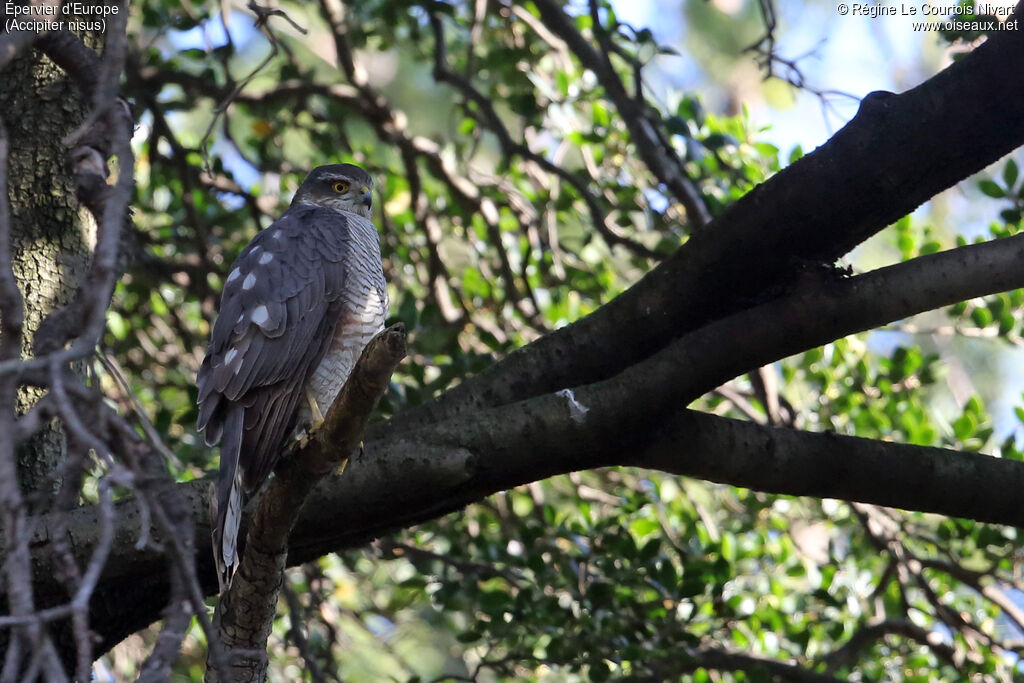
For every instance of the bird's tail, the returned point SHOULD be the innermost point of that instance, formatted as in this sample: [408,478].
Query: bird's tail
[229,498]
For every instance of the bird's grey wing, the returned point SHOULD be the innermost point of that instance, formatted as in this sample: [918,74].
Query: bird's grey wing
[274,299]
[275,312]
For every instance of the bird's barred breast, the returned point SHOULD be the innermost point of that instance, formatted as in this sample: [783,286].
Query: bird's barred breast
[363,316]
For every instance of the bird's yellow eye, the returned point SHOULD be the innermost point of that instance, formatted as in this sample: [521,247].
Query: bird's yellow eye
[340,187]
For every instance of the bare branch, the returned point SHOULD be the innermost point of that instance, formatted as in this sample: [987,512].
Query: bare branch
[512,148]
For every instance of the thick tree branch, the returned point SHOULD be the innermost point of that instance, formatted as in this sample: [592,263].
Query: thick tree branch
[395,483]
[828,465]
[818,313]
[403,479]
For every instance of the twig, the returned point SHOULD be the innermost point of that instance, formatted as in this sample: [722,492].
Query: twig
[115,371]
[263,15]
[637,116]
[512,148]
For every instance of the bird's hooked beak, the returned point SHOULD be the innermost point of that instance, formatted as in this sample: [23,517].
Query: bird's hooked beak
[366,198]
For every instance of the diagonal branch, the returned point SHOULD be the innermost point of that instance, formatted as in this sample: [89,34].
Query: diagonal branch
[819,312]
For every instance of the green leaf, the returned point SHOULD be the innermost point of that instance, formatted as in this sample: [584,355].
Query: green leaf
[1010,173]
[117,325]
[676,125]
[965,426]
[691,109]
[982,317]
[717,141]
[905,243]
[991,189]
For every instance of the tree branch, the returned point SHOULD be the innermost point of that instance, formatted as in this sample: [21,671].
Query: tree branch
[725,660]
[397,482]
[880,628]
[829,465]
[819,312]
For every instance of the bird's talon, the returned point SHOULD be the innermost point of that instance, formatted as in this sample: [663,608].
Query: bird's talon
[317,414]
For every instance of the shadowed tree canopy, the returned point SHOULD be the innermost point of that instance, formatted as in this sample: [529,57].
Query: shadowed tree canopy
[650,424]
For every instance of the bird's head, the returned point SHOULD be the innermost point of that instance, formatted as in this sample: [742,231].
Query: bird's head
[338,186]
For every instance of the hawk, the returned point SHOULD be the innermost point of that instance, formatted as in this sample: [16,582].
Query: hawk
[299,304]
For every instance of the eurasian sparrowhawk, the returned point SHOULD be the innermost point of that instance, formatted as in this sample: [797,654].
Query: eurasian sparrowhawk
[299,304]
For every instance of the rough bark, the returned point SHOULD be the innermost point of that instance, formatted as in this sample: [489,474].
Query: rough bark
[51,235]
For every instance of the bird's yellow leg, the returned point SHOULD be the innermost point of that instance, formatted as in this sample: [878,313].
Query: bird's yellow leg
[314,409]
[317,421]
[302,437]
[344,463]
